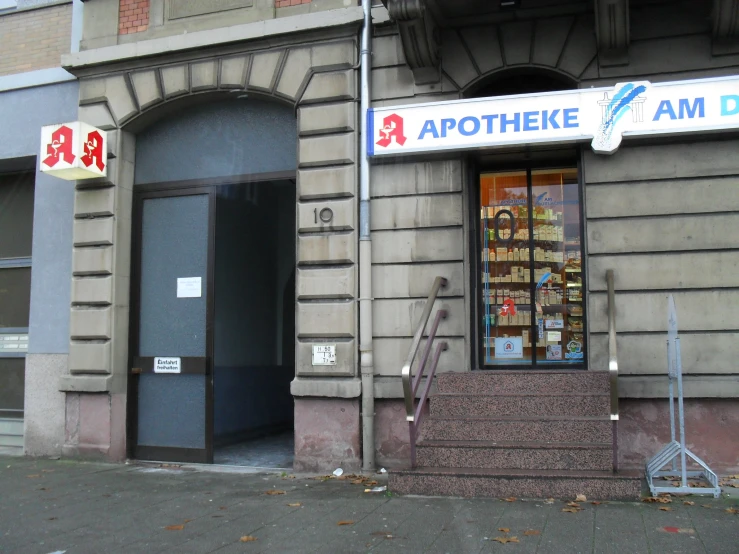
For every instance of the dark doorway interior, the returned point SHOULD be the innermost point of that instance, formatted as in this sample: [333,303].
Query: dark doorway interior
[254,352]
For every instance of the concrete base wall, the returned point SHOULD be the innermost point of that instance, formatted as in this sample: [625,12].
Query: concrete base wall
[711,431]
[392,439]
[327,434]
[95,426]
[44,404]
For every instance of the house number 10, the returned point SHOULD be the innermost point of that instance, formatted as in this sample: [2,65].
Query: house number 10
[325,215]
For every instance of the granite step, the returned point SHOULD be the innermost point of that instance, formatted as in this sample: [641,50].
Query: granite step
[503,483]
[523,382]
[514,455]
[481,405]
[594,429]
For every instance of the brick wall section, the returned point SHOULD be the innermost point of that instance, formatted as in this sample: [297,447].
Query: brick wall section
[34,39]
[286,3]
[133,16]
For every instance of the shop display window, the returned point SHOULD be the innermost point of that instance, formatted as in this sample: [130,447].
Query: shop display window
[531,274]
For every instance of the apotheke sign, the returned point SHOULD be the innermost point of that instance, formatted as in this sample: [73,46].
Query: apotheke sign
[73,151]
[602,116]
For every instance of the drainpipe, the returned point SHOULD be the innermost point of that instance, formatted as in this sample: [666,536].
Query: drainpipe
[77,10]
[365,252]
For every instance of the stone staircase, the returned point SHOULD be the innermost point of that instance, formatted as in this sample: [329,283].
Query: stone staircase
[534,434]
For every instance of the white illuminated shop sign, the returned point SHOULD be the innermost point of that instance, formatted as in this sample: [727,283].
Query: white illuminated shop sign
[73,151]
[602,116]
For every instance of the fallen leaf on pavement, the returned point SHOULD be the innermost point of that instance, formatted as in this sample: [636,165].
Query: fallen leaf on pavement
[660,499]
[247,538]
[531,533]
[346,522]
[571,510]
[222,507]
[732,510]
[689,503]
[581,498]
[510,499]
[549,501]
[665,509]
[503,529]
[274,492]
[596,503]
[295,505]
[188,520]
[504,540]
[357,482]
[175,527]
[573,504]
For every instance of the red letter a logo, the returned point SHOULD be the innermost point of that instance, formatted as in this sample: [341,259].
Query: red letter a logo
[392,128]
[94,151]
[60,146]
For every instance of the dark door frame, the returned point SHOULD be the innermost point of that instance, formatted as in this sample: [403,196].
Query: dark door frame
[190,365]
[475,246]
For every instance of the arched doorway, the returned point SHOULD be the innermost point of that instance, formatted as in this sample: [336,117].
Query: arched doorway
[528,230]
[213,256]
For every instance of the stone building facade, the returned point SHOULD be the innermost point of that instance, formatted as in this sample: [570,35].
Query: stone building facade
[660,212]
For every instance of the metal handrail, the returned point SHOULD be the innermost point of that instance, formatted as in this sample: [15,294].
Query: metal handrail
[411,382]
[613,362]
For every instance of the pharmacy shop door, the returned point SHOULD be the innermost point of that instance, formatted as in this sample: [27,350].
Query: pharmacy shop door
[531,309]
[170,382]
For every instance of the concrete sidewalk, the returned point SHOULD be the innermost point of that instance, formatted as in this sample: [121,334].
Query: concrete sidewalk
[52,506]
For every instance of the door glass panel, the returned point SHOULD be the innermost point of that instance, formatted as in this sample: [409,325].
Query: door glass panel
[531,273]
[174,244]
[172,410]
[558,254]
[506,270]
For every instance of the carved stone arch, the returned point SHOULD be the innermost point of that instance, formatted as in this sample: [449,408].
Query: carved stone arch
[565,45]
[298,75]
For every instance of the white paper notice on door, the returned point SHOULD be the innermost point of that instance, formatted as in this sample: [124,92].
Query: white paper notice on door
[189,287]
[167,365]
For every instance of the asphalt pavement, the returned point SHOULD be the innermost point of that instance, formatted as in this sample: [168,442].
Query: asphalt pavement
[54,506]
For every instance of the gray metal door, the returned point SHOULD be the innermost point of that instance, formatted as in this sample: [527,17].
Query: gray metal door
[171,384]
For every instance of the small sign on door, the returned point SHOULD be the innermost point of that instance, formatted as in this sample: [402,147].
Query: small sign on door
[324,354]
[189,287]
[167,365]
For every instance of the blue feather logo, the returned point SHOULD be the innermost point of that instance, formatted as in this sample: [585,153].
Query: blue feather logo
[619,106]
